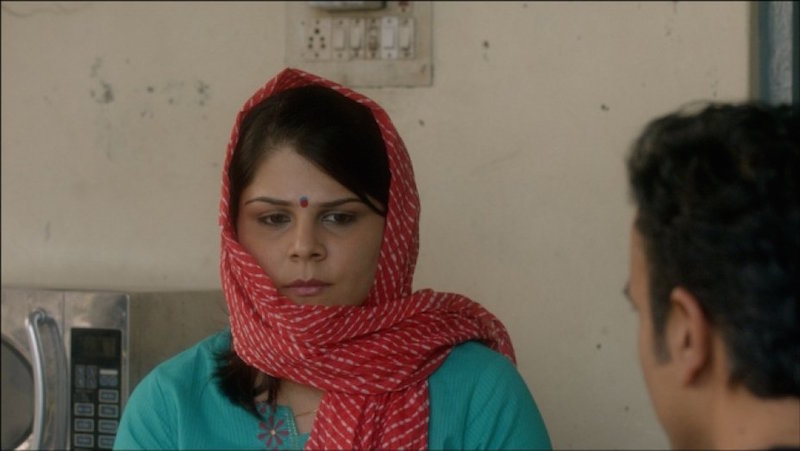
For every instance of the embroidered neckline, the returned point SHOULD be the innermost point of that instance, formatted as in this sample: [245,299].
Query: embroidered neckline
[278,425]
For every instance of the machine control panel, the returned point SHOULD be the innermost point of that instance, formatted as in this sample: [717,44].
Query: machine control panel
[96,361]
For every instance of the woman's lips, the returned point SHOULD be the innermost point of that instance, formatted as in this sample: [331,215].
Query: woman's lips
[306,288]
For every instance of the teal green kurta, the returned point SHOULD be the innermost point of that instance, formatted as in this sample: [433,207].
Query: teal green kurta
[477,400]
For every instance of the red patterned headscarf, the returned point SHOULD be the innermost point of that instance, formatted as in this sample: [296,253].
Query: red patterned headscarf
[373,360]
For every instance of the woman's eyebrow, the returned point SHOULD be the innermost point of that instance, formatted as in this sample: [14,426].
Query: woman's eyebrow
[286,203]
[269,200]
[336,203]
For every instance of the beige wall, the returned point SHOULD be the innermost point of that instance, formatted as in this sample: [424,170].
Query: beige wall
[115,118]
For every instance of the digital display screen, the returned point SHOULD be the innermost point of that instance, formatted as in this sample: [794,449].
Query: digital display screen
[96,346]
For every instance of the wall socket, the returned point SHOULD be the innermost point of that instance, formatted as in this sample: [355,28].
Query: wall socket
[317,36]
[370,47]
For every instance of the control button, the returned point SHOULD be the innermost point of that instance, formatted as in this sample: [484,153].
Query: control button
[105,441]
[108,411]
[109,377]
[86,440]
[106,395]
[83,409]
[107,426]
[84,425]
[91,376]
[80,376]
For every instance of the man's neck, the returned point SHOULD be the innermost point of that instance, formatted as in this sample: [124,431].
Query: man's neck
[744,421]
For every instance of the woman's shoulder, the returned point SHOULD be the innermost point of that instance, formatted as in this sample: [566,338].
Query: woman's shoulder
[478,399]
[206,348]
[179,405]
[473,361]
[197,362]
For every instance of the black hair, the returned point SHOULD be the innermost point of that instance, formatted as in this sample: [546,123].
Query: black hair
[338,135]
[718,199]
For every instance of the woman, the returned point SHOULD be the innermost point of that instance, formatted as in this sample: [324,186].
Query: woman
[329,347]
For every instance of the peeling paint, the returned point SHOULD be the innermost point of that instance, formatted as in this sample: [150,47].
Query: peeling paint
[96,66]
[105,93]
[105,96]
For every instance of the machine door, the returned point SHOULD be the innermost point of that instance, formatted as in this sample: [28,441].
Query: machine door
[17,399]
[35,378]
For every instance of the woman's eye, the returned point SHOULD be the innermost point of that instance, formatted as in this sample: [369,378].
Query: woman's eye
[339,218]
[274,219]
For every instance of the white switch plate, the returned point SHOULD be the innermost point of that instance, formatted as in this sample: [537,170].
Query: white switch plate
[362,48]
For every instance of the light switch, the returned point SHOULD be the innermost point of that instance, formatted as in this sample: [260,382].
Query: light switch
[404,35]
[356,34]
[389,37]
[373,38]
[338,38]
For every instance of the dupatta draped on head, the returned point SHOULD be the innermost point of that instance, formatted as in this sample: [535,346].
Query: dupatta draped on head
[372,361]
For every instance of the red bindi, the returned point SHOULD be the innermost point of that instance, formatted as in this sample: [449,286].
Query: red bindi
[303,201]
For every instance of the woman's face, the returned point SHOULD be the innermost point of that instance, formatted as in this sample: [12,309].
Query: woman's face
[316,240]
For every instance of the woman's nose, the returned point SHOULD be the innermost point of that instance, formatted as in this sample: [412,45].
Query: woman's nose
[306,243]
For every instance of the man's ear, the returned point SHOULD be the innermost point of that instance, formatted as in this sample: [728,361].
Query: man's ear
[688,335]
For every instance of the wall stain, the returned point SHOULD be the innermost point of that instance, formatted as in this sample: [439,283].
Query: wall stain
[421,123]
[485,50]
[47,231]
[203,91]
[105,96]
[105,93]
[497,161]
[669,25]
[179,92]
[96,66]
[599,346]
[604,107]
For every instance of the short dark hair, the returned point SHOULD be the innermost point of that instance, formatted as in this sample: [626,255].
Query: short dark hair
[338,135]
[718,199]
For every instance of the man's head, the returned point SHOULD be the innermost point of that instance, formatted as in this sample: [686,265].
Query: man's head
[716,247]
